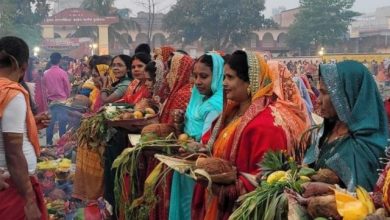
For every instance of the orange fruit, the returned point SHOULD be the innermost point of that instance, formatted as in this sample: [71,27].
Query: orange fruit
[138,115]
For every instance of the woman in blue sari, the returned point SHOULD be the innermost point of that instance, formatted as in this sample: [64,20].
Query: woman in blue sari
[205,105]
[354,134]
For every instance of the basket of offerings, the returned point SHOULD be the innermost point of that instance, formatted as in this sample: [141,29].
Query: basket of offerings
[132,119]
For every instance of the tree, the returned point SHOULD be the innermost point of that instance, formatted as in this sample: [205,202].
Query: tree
[150,6]
[218,23]
[22,18]
[320,23]
[106,8]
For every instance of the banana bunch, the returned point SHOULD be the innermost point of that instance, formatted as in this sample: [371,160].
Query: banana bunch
[365,198]
[65,164]
[47,165]
[352,208]
[276,176]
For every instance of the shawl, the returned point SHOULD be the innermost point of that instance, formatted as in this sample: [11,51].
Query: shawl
[198,107]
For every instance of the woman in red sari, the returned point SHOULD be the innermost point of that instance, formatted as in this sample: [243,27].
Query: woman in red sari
[263,108]
[178,82]
[137,89]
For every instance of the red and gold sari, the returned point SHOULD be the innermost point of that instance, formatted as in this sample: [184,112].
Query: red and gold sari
[136,91]
[178,80]
[244,140]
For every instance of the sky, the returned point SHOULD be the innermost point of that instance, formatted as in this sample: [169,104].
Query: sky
[364,6]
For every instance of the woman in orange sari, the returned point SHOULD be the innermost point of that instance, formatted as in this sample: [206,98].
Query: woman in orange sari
[137,89]
[264,112]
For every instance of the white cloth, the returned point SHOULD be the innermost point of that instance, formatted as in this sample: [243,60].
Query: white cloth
[14,121]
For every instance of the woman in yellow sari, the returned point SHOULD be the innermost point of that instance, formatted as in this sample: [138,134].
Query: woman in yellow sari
[100,70]
[264,112]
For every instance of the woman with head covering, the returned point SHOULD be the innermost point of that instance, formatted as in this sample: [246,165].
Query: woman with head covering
[100,70]
[205,105]
[163,56]
[180,92]
[263,107]
[354,134]
[178,82]
[163,53]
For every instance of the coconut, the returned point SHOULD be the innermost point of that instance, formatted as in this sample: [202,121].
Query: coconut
[161,130]
[326,176]
[220,171]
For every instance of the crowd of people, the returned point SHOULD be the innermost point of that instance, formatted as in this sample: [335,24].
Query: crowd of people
[234,107]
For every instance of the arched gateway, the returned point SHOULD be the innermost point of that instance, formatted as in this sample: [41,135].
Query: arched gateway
[75,17]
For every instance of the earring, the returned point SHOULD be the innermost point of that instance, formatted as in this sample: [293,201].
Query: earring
[248,90]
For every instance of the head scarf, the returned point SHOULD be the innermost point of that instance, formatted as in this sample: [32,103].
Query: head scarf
[104,69]
[290,106]
[163,53]
[304,93]
[198,108]
[357,101]
[267,80]
[159,76]
[177,78]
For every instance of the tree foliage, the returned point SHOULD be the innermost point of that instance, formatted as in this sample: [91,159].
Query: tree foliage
[21,18]
[106,8]
[320,23]
[219,23]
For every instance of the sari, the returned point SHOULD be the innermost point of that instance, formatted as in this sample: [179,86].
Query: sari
[94,96]
[178,80]
[136,91]
[40,93]
[160,69]
[163,53]
[162,56]
[196,117]
[356,99]
[304,93]
[88,180]
[266,125]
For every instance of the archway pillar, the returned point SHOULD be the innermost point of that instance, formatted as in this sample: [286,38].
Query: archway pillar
[103,40]
[48,31]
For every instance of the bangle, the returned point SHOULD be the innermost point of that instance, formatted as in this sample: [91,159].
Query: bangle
[105,91]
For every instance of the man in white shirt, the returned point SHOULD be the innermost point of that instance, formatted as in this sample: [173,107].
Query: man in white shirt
[19,143]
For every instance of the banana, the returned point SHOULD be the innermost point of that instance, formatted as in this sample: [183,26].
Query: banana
[275,176]
[365,198]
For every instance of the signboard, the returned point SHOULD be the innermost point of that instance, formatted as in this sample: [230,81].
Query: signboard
[79,17]
[64,43]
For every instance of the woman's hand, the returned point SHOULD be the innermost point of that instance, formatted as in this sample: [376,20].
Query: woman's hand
[194,146]
[178,116]
[105,82]
[42,120]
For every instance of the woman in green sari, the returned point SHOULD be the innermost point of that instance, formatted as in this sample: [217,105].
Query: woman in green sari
[354,134]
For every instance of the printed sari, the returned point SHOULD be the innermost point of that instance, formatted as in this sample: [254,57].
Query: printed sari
[356,99]
[197,115]
[263,127]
